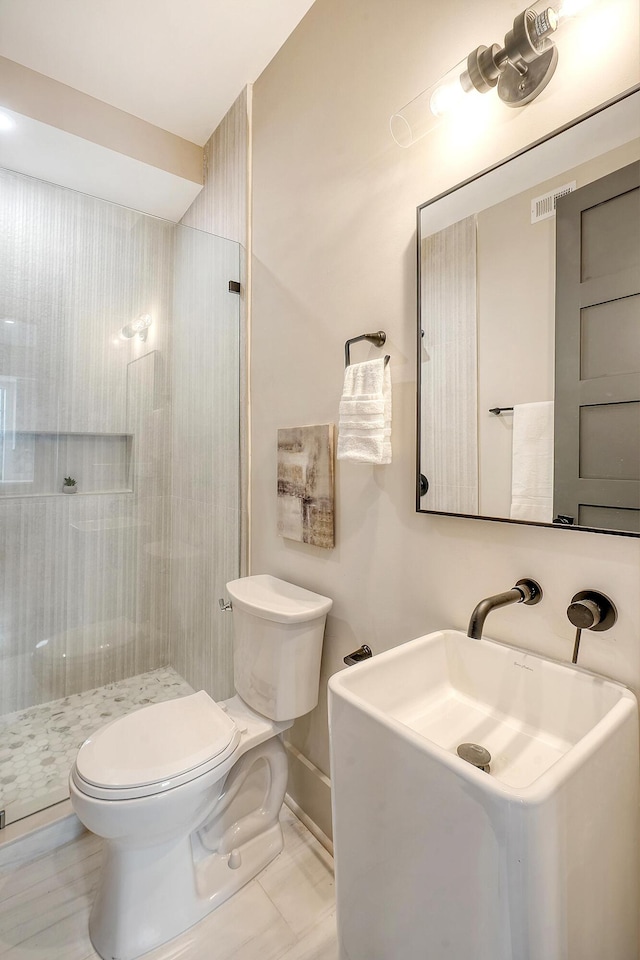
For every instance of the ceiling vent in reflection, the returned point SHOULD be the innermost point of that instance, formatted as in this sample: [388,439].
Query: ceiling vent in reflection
[544,207]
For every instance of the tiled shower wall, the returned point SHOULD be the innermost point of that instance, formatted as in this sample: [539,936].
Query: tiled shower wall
[83,582]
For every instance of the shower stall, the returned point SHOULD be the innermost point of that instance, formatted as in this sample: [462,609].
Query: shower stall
[119,369]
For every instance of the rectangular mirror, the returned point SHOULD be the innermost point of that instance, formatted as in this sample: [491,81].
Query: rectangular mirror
[529,333]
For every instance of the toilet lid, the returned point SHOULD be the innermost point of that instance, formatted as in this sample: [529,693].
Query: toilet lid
[156,743]
[269,598]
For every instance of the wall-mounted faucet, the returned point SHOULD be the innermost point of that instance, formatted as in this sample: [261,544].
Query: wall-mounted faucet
[525,591]
[590,610]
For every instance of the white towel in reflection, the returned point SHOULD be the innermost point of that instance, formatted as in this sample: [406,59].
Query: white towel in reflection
[532,463]
[364,428]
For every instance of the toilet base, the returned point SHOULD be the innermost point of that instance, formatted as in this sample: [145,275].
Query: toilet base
[122,927]
[227,874]
[157,881]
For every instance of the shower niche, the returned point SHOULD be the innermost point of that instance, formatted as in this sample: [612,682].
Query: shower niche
[33,464]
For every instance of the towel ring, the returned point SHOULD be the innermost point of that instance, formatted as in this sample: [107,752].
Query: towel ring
[377,339]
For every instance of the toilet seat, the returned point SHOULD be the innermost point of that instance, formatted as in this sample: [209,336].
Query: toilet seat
[155,749]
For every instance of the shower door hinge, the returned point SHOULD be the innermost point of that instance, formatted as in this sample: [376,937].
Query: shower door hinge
[3,818]
[234,286]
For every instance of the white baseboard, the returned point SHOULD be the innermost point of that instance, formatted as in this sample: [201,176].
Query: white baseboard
[309,795]
[310,824]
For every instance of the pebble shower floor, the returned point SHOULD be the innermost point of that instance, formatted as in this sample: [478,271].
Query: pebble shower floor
[38,745]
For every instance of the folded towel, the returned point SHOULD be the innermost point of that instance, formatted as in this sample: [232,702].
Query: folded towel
[532,466]
[364,429]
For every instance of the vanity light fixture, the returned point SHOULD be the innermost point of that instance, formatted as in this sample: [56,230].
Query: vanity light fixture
[139,326]
[520,69]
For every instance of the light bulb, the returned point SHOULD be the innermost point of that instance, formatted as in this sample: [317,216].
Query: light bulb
[446,97]
[423,113]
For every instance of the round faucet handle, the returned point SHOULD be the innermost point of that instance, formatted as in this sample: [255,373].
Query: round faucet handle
[591,610]
[585,614]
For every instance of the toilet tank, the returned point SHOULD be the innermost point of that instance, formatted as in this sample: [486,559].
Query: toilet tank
[278,630]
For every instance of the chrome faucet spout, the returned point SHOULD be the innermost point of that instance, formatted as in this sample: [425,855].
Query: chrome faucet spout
[525,591]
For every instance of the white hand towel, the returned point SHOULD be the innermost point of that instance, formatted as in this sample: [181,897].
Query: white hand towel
[364,428]
[532,465]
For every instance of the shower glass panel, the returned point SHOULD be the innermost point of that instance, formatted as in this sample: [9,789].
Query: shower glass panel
[107,592]
[205,505]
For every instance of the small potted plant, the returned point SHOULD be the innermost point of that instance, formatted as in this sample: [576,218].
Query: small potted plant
[69,485]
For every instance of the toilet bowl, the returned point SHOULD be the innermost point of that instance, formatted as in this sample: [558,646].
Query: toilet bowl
[187,793]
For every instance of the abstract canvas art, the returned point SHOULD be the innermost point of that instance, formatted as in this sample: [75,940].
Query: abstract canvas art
[306,485]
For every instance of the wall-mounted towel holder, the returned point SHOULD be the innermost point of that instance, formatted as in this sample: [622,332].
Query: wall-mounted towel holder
[498,410]
[377,339]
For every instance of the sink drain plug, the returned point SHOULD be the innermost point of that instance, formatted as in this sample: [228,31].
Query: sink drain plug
[475,754]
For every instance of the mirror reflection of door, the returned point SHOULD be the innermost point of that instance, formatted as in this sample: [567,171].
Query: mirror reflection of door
[597,388]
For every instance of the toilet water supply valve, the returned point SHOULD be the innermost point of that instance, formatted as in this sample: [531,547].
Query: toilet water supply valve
[362,653]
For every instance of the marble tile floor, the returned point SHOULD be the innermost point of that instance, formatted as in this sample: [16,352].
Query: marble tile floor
[286,913]
[39,744]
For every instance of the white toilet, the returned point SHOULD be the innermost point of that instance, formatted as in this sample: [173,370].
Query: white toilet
[187,793]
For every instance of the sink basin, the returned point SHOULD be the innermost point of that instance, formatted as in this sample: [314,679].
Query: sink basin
[536,859]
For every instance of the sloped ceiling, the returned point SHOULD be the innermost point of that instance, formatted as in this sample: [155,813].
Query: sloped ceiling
[116,98]
[178,64]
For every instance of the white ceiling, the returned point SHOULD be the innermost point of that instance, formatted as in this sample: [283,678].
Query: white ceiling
[178,64]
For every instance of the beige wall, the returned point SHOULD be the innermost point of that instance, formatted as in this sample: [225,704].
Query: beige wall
[334,256]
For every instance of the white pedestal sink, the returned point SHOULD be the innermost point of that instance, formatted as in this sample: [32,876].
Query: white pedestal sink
[437,860]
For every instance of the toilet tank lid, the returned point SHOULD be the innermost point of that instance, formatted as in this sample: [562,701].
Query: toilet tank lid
[158,742]
[273,599]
